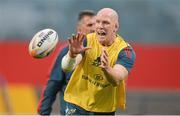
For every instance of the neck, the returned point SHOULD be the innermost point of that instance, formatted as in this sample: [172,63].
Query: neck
[109,42]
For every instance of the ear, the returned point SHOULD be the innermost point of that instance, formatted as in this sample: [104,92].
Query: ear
[78,29]
[116,27]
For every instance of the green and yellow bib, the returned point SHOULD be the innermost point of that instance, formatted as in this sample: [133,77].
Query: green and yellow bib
[88,86]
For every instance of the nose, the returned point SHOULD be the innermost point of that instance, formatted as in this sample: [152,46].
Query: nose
[100,25]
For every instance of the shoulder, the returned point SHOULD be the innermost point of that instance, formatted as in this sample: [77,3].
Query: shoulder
[128,52]
[91,35]
[126,57]
[87,38]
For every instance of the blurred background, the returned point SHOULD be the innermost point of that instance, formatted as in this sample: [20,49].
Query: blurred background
[152,27]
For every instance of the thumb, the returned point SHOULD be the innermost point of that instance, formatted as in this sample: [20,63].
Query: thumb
[87,48]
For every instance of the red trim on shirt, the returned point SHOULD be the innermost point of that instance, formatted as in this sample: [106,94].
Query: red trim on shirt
[41,98]
[128,52]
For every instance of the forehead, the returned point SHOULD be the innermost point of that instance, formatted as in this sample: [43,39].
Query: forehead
[104,17]
[87,19]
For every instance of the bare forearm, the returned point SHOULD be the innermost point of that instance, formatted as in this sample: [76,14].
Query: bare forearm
[69,63]
[117,73]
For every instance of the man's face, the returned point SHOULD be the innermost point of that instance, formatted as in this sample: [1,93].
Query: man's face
[87,24]
[105,27]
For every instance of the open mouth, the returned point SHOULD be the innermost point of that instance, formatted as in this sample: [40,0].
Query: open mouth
[101,33]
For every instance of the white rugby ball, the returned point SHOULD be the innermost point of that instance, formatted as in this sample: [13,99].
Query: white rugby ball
[43,43]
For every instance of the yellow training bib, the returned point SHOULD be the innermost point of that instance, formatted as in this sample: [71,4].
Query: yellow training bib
[89,87]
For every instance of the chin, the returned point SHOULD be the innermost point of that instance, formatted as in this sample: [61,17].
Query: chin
[102,40]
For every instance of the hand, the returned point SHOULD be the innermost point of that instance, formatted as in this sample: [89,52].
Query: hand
[76,45]
[106,68]
[104,59]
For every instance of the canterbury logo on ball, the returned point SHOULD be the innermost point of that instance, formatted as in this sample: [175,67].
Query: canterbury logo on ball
[44,38]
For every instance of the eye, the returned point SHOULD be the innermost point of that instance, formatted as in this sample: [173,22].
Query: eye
[97,21]
[106,22]
[89,25]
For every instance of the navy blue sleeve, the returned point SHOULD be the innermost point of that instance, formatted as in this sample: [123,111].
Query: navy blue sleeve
[85,42]
[126,58]
[54,85]
[48,97]
[56,73]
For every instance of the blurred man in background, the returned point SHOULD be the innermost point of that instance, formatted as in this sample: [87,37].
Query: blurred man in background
[58,79]
[97,83]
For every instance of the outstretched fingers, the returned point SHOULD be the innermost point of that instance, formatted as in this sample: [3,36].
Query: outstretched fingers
[82,36]
[70,41]
[106,54]
[74,37]
[104,59]
[77,36]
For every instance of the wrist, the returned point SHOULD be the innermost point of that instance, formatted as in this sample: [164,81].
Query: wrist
[71,54]
[68,63]
[107,68]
